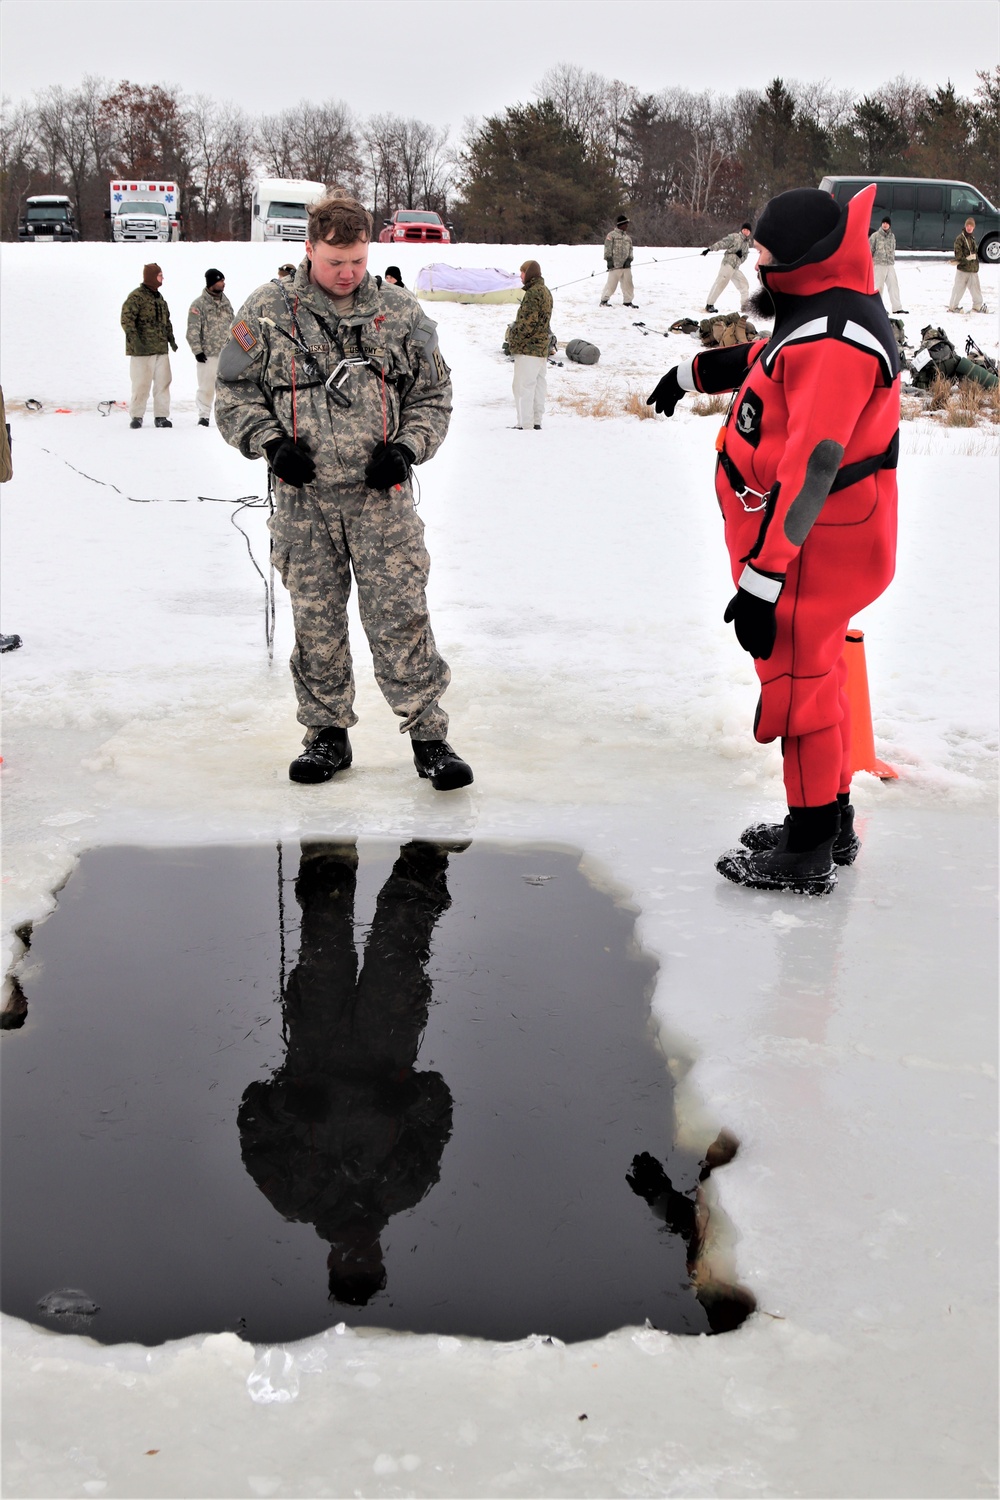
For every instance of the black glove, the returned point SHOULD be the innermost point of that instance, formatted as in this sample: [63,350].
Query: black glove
[706,252]
[610,264]
[290,461]
[202,358]
[388,465]
[627,265]
[667,393]
[752,611]
[174,348]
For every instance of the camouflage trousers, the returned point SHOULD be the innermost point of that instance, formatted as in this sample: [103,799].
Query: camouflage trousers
[318,537]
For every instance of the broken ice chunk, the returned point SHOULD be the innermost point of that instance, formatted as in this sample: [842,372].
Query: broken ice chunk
[68,1302]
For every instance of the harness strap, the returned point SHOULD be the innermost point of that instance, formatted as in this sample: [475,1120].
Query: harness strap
[845,476]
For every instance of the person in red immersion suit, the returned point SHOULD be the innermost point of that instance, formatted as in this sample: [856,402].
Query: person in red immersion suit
[806,481]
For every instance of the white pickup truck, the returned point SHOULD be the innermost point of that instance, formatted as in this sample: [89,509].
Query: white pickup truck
[143,211]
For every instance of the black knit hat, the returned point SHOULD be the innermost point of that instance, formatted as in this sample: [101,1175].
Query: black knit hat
[795,221]
[212,276]
[885,219]
[621,219]
[745,225]
[396,273]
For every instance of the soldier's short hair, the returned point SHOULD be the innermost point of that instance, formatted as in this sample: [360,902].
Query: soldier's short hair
[339,220]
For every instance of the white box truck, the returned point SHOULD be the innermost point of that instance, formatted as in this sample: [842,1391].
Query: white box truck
[281,208]
[143,210]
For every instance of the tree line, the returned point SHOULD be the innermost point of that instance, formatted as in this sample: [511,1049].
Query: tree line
[684,165]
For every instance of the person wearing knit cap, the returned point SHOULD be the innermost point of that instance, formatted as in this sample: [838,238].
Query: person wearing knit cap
[737,248]
[618,259]
[210,318]
[528,342]
[883,248]
[148,335]
[393,276]
[806,481]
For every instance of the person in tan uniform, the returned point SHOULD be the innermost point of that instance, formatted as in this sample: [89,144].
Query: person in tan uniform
[209,321]
[736,248]
[618,256]
[967,274]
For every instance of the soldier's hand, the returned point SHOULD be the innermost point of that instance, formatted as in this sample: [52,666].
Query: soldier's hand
[667,394]
[706,252]
[752,611]
[389,464]
[202,359]
[290,461]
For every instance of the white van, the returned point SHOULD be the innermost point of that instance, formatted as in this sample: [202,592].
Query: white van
[281,208]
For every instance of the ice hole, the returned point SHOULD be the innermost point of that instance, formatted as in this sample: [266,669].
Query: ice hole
[273,1088]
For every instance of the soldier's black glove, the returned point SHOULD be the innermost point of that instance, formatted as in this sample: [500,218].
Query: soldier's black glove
[752,611]
[667,393]
[610,264]
[174,348]
[290,461]
[388,465]
[202,358]
[706,252]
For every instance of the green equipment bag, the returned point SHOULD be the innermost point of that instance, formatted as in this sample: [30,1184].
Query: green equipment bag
[582,353]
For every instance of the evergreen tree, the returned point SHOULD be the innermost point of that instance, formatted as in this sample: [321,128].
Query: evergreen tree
[528,179]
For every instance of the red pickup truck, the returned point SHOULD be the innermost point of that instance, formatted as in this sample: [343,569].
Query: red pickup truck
[415,226]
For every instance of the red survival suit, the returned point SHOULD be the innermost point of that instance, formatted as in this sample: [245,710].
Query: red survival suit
[807,485]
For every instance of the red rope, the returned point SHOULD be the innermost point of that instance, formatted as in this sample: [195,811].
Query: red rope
[385,425]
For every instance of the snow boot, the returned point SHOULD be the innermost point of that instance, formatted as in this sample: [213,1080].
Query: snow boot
[631,304]
[162,422]
[10,643]
[801,861]
[605,302]
[437,763]
[710,308]
[135,422]
[202,421]
[538,427]
[327,754]
[846,846]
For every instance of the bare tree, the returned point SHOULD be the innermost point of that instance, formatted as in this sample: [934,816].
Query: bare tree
[18,161]
[408,164]
[318,142]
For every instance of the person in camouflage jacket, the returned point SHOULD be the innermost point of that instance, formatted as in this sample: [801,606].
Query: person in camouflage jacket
[882,243]
[149,333]
[736,247]
[209,320]
[967,274]
[618,258]
[339,382]
[528,342]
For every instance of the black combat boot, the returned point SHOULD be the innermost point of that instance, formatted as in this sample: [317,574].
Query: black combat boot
[801,861]
[135,422]
[846,846]
[328,753]
[437,763]
[202,421]
[162,422]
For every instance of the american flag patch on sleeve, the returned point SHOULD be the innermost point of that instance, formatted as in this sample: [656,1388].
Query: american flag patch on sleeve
[243,337]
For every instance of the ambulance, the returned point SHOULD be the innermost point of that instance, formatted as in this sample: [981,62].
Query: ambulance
[144,210]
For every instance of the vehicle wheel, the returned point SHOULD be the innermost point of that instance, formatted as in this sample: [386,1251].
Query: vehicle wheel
[990,249]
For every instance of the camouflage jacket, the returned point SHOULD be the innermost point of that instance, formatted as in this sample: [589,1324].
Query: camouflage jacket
[146,321]
[967,252]
[209,322]
[618,250]
[883,247]
[530,330]
[270,386]
[737,247]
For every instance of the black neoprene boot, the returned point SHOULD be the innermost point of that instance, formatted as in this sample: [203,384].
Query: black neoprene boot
[437,763]
[846,846]
[801,861]
[328,753]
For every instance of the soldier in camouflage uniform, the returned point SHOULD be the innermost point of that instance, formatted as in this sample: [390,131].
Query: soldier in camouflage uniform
[737,248]
[148,334]
[339,382]
[882,243]
[618,257]
[967,272]
[528,340]
[209,321]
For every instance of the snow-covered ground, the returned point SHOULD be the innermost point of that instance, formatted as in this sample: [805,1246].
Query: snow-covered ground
[577,589]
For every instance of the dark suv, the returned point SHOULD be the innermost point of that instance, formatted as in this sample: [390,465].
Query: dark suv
[927,213]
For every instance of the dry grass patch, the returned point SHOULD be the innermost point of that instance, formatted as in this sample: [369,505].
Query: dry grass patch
[602,404]
[635,406]
[972,401]
[710,406]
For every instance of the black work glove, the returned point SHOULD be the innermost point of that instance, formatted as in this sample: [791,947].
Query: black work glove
[388,465]
[627,265]
[290,461]
[202,359]
[706,252]
[610,264]
[752,611]
[667,394]
[174,348]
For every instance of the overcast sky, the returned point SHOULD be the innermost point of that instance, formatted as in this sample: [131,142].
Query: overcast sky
[446,60]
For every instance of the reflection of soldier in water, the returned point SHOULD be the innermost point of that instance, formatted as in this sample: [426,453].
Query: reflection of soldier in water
[346,1134]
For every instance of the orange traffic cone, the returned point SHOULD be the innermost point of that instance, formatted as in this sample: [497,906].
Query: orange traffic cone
[863,757]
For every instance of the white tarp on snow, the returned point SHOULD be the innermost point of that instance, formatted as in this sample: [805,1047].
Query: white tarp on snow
[468,284]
